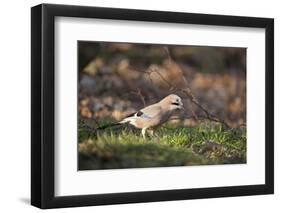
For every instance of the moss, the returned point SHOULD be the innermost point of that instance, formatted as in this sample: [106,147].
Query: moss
[175,145]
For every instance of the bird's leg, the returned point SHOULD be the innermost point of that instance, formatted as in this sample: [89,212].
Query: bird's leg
[143,132]
[151,132]
[155,134]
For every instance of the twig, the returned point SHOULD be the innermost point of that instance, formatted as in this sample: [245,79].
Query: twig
[140,95]
[192,117]
[187,91]
[242,124]
[168,54]
[192,111]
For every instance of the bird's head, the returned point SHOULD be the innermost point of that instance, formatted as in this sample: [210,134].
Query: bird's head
[173,102]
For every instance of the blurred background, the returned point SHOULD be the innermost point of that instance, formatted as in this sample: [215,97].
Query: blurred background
[116,79]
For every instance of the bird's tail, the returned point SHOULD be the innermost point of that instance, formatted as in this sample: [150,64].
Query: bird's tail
[114,124]
[109,125]
[130,119]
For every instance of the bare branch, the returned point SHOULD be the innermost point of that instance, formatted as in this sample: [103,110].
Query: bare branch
[192,110]
[140,95]
[186,90]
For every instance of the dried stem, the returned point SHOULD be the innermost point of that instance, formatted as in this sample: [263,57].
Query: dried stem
[186,90]
[140,95]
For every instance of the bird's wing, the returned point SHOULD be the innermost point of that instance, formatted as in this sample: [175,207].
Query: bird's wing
[146,113]
[150,111]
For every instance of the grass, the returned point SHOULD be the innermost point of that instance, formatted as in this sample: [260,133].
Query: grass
[174,145]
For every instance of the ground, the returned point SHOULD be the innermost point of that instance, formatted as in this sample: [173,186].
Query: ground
[175,145]
[117,79]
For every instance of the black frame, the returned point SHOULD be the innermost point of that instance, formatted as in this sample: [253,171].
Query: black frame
[42,105]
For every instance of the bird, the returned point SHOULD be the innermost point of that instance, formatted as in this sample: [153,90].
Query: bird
[153,115]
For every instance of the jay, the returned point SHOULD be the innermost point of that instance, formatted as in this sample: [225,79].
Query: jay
[155,114]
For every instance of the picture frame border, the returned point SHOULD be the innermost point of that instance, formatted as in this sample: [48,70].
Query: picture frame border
[43,105]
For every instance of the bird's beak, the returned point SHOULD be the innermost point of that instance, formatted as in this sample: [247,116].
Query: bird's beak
[181,106]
